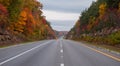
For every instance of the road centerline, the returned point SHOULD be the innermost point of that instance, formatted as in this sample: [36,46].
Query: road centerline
[61,51]
[61,64]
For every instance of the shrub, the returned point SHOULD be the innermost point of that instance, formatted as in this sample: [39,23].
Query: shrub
[114,38]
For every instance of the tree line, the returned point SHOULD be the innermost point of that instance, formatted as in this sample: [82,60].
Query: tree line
[99,23]
[22,20]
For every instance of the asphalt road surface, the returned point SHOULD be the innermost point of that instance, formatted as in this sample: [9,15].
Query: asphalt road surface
[59,52]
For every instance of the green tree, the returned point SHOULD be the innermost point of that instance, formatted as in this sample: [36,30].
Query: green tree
[14,9]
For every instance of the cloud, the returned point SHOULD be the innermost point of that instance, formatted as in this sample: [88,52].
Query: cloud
[55,15]
[62,24]
[61,20]
[75,6]
[61,28]
[63,14]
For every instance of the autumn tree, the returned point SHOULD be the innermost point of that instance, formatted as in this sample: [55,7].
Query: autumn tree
[14,9]
[102,9]
[6,3]
[3,18]
[23,18]
[112,3]
[99,23]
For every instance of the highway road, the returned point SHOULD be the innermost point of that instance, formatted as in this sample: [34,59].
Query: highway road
[59,52]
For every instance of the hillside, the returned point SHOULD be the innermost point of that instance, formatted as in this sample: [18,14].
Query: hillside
[60,33]
[100,23]
[22,20]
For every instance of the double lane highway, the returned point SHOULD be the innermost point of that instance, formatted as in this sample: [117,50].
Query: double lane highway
[59,52]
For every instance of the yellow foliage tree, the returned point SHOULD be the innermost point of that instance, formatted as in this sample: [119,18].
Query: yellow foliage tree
[91,23]
[102,9]
[5,2]
[119,7]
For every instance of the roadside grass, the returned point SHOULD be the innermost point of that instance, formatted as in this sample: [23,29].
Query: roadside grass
[109,48]
[12,44]
[5,45]
[112,48]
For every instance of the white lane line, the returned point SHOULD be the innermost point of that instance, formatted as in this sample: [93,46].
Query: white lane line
[61,64]
[12,58]
[61,50]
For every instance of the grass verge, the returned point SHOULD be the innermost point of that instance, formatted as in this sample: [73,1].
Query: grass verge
[4,45]
[103,46]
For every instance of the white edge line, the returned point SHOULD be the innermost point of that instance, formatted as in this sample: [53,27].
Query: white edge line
[12,58]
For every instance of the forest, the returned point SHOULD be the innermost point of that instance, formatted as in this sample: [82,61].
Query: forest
[22,20]
[100,23]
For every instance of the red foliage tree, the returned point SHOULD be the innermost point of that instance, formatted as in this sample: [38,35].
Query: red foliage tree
[3,10]
[3,18]
[43,20]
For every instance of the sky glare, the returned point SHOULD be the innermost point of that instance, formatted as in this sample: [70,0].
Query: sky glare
[63,14]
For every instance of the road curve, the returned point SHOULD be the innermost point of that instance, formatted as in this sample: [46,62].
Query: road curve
[59,52]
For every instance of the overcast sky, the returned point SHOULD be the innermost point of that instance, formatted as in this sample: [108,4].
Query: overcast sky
[63,14]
